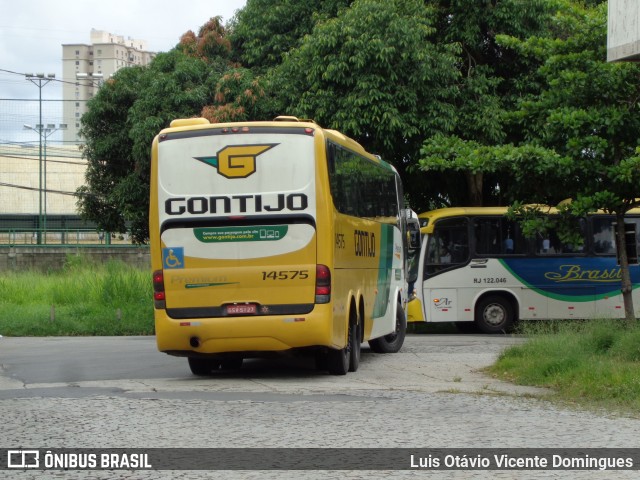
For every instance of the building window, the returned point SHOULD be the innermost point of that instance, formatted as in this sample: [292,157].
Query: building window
[99,52]
[77,62]
[77,52]
[77,115]
[77,104]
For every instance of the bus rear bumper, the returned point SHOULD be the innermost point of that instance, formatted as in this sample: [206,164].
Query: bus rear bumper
[243,334]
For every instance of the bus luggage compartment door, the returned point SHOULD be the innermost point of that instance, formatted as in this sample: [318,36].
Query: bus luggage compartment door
[443,305]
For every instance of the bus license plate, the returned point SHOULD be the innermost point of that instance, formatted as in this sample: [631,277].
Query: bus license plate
[244,309]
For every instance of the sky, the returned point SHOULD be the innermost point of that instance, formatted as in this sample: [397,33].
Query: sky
[32,32]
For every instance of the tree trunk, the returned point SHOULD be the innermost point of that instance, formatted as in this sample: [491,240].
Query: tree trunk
[474,182]
[626,286]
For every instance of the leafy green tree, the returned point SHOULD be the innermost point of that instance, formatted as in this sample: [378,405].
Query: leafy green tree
[492,78]
[573,128]
[587,111]
[239,96]
[375,74]
[264,31]
[211,43]
[119,126]
[108,149]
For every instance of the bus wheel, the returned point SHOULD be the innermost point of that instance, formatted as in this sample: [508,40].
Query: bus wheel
[393,342]
[321,360]
[338,361]
[202,366]
[494,314]
[356,342]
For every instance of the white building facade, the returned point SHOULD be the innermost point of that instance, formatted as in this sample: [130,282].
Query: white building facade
[623,36]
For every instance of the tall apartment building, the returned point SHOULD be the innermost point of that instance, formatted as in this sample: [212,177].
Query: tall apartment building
[85,67]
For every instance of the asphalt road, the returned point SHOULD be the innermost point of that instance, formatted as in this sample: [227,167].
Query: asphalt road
[119,392]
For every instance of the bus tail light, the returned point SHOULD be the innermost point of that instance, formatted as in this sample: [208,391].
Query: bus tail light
[158,290]
[323,284]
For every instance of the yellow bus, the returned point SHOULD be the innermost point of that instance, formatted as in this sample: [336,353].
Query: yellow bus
[274,237]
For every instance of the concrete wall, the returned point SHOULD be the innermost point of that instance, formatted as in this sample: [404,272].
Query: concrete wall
[623,36]
[48,258]
[20,166]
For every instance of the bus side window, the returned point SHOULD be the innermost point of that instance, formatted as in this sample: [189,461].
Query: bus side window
[497,236]
[603,236]
[551,244]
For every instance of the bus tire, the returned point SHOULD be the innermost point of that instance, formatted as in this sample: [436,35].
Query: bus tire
[392,342]
[338,361]
[321,360]
[356,343]
[202,366]
[494,314]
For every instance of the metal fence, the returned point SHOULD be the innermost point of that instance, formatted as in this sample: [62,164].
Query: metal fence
[59,230]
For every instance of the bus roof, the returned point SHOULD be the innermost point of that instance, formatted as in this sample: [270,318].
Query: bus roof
[187,124]
[428,219]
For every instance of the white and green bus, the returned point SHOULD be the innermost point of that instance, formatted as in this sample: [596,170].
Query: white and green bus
[476,266]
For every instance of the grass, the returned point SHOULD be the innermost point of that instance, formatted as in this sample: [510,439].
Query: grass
[83,298]
[594,364]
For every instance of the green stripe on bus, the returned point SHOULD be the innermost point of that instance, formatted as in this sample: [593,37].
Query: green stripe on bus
[384,270]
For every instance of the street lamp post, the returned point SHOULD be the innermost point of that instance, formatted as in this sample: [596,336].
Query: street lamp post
[44,133]
[39,80]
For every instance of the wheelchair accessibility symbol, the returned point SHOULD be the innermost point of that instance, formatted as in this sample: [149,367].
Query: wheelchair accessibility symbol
[173,257]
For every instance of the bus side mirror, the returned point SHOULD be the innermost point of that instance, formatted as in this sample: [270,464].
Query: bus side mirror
[414,239]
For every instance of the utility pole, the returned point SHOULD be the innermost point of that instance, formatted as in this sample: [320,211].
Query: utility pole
[39,80]
[44,133]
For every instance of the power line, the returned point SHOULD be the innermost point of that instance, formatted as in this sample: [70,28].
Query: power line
[34,189]
[55,80]
[18,157]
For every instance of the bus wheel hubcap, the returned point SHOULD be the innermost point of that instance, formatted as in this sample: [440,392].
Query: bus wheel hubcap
[494,315]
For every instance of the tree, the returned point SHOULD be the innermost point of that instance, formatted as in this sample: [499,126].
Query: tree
[211,43]
[587,111]
[576,121]
[107,149]
[121,121]
[374,73]
[264,31]
[239,96]
[491,80]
